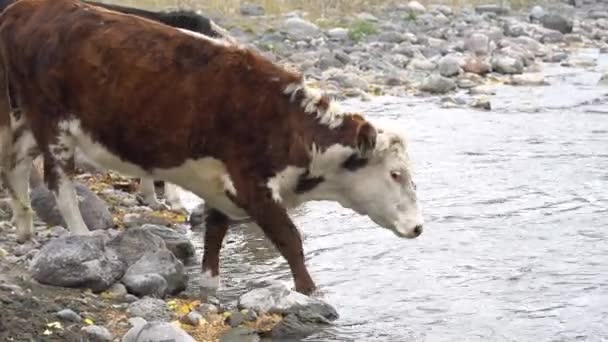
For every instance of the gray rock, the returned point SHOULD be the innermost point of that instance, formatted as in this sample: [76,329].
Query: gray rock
[95,333]
[240,334]
[477,65]
[536,13]
[94,210]
[299,323]
[348,80]
[328,60]
[391,37]
[300,29]
[338,33]
[133,243]
[150,284]
[552,37]
[603,80]
[129,298]
[117,290]
[207,309]
[477,43]
[482,103]
[367,17]
[495,9]
[77,261]
[416,7]
[443,9]
[557,22]
[69,315]
[192,318]
[131,220]
[507,65]
[277,298]
[250,9]
[235,319]
[449,66]
[163,263]
[421,64]
[528,80]
[556,57]
[250,315]
[150,309]
[157,332]
[438,84]
[177,243]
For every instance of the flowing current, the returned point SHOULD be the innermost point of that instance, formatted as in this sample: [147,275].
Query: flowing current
[516,208]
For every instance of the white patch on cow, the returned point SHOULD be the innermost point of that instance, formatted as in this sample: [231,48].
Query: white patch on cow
[206,177]
[331,116]
[218,42]
[207,281]
[172,196]
[285,180]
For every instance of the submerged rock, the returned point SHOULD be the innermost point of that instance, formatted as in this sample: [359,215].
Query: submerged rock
[77,261]
[277,298]
[94,210]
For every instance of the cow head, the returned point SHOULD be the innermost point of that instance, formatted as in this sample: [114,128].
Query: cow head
[375,179]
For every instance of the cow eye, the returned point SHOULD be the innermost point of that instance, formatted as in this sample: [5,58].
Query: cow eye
[396,176]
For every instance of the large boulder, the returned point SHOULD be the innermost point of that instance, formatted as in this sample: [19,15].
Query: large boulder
[142,277]
[77,261]
[133,243]
[507,65]
[438,84]
[94,210]
[557,22]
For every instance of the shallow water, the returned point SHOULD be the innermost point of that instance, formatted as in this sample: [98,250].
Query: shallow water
[516,205]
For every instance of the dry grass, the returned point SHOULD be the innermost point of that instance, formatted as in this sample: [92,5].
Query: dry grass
[315,8]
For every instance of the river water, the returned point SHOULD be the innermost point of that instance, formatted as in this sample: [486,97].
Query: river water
[516,209]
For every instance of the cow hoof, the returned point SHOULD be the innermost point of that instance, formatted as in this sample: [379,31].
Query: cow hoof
[209,282]
[25,237]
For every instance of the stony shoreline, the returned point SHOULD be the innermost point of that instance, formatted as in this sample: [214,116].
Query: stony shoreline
[128,277]
[412,50]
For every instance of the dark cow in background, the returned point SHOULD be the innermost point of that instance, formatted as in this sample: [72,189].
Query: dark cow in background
[216,118]
[183,19]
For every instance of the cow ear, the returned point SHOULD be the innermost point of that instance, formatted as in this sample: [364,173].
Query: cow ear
[366,138]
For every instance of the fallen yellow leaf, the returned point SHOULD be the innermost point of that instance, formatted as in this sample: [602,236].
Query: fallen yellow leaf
[55,325]
[47,332]
[89,321]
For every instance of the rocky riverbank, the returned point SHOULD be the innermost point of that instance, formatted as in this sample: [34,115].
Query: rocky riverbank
[409,49]
[127,281]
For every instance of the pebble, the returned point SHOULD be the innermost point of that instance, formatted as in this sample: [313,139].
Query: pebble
[95,333]
[69,315]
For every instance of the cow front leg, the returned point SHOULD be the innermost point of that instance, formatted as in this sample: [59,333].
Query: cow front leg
[280,229]
[216,226]
[172,197]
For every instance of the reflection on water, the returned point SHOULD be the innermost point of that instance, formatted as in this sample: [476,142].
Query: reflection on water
[515,249]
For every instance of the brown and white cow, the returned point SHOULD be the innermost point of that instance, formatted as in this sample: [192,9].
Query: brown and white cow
[145,99]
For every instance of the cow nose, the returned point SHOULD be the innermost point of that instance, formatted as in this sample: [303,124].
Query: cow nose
[418,230]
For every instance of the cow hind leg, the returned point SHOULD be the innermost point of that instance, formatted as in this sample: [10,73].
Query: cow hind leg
[172,197]
[148,193]
[17,150]
[58,169]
